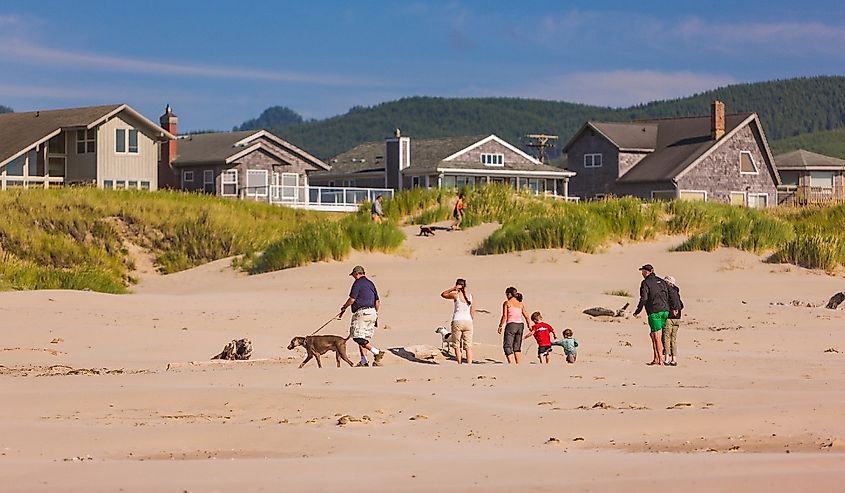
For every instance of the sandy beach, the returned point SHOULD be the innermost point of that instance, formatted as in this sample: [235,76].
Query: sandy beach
[756,401]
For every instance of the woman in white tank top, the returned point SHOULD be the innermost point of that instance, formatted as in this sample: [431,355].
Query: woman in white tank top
[462,316]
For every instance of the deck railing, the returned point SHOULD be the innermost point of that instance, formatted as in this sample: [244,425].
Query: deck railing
[344,199]
[804,195]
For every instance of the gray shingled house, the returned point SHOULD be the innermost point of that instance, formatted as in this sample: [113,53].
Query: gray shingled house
[721,158]
[399,163]
[237,164]
[110,146]
[810,178]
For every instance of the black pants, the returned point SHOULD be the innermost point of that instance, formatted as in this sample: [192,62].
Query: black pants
[513,338]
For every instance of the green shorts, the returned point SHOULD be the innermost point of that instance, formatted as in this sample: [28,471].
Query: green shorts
[657,320]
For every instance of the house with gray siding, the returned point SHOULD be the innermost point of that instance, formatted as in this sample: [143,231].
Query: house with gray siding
[110,146]
[399,163]
[719,158]
[810,178]
[249,164]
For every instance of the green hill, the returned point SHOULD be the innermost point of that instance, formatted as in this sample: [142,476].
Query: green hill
[787,107]
[828,142]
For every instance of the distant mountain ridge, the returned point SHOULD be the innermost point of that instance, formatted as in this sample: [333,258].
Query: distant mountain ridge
[5,109]
[787,108]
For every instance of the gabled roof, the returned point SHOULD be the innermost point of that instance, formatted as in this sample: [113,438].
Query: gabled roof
[360,159]
[224,147]
[639,136]
[802,160]
[19,132]
[680,143]
[430,155]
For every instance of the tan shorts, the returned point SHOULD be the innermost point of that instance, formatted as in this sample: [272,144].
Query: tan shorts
[462,332]
[364,323]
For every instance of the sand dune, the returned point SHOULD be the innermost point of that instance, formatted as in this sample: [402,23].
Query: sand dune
[756,401]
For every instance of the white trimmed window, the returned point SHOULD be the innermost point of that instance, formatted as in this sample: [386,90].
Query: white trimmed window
[187,176]
[493,159]
[108,184]
[229,183]
[758,200]
[821,179]
[133,141]
[86,141]
[256,182]
[145,185]
[747,166]
[737,198]
[693,195]
[663,195]
[120,140]
[592,160]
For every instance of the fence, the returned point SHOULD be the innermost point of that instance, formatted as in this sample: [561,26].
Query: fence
[805,195]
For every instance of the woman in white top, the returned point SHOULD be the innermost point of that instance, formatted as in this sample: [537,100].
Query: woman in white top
[462,317]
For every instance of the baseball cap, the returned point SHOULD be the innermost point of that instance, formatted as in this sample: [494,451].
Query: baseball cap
[357,270]
[647,267]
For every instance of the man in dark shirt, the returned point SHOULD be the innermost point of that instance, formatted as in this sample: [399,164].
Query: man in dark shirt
[365,303]
[654,297]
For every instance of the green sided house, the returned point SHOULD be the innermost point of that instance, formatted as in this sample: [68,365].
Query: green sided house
[110,146]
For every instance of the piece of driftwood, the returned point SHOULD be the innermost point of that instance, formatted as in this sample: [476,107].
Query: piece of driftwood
[238,349]
[600,311]
[835,301]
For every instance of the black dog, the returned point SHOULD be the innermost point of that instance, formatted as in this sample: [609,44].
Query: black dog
[426,231]
[318,345]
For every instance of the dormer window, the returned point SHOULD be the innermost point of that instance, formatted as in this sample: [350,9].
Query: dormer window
[493,159]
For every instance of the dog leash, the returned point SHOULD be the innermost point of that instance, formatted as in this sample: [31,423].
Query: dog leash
[323,326]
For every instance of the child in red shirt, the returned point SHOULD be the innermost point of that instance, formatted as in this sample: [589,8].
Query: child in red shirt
[543,334]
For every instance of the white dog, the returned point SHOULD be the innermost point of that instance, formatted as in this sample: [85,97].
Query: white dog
[446,338]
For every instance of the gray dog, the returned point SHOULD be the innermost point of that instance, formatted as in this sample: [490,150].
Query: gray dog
[318,345]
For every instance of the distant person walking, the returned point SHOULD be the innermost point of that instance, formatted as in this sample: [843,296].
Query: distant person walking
[670,332]
[462,317]
[458,212]
[654,297]
[376,211]
[513,314]
[365,303]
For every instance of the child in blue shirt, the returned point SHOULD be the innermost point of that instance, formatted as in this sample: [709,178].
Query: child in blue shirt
[569,345]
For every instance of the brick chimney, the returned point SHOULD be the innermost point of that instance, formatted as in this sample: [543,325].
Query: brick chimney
[717,120]
[167,176]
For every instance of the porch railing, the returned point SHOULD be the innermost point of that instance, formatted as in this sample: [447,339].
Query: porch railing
[346,199]
[804,195]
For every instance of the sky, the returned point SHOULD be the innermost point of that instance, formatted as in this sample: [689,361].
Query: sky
[219,63]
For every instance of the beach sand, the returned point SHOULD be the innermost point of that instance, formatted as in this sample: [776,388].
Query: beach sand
[756,402]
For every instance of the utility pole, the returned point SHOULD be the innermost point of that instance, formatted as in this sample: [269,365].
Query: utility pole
[541,142]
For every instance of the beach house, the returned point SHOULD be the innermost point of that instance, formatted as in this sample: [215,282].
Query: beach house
[251,164]
[810,178]
[110,146]
[399,163]
[719,157]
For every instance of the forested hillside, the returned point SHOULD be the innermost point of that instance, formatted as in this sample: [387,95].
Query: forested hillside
[5,109]
[828,142]
[787,108]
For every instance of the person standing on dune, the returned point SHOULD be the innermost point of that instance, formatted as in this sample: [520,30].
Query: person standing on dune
[654,297]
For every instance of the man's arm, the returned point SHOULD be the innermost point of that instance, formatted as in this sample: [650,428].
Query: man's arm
[378,304]
[346,305]
[643,298]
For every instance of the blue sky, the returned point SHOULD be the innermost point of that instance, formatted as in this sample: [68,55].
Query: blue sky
[219,63]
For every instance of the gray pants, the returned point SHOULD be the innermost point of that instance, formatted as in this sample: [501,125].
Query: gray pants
[513,338]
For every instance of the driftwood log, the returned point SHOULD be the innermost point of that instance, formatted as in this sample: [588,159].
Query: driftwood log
[238,349]
[835,301]
[600,311]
